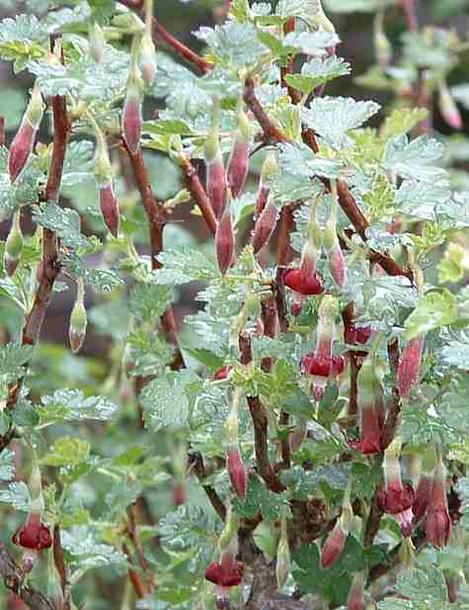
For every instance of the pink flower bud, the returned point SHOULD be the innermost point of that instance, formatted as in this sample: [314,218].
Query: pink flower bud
[21,149]
[336,262]
[77,327]
[405,520]
[132,122]
[217,185]
[370,432]
[109,207]
[33,535]
[223,372]
[371,406]
[238,166]
[265,226]
[237,472]
[453,583]
[438,522]
[408,372]
[449,110]
[225,243]
[356,598]
[305,286]
[422,496]
[334,545]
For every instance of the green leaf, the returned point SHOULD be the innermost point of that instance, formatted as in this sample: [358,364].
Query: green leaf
[73,405]
[67,451]
[104,280]
[434,309]
[101,9]
[17,495]
[260,500]
[13,359]
[422,584]
[183,266]
[84,551]
[401,121]
[7,466]
[149,352]
[415,159]
[150,301]
[64,221]
[300,161]
[457,353]
[318,72]
[333,117]
[421,200]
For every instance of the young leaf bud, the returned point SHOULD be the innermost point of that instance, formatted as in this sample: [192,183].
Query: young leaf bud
[408,372]
[238,163]
[264,226]
[225,242]
[78,320]
[13,246]
[23,142]
[97,42]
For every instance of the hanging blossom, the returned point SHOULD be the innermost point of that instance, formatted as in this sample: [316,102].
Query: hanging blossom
[105,179]
[337,537]
[438,521]
[217,186]
[371,407]
[335,256]
[238,163]
[396,498]
[322,365]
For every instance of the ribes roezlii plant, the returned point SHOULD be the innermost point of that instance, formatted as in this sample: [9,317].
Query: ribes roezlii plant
[234,316]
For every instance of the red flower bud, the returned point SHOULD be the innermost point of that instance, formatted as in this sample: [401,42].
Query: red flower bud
[226,574]
[225,242]
[334,545]
[262,196]
[438,521]
[336,262]
[422,497]
[237,472]
[238,166]
[356,598]
[304,286]
[33,535]
[265,226]
[217,185]
[132,122]
[408,372]
[21,149]
[179,493]
[223,372]
[109,207]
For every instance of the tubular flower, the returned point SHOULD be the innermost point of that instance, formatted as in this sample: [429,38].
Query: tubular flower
[438,521]
[422,496]
[217,187]
[408,372]
[371,405]
[265,226]
[132,112]
[322,364]
[147,58]
[356,598]
[357,335]
[225,242]
[104,178]
[335,257]
[396,498]
[23,142]
[33,535]
[97,42]
[268,171]
[335,541]
[238,164]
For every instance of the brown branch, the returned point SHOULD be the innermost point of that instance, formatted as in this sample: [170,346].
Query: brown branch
[356,359]
[260,423]
[132,531]
[61,568]
[197,463]
[271,131]
[394,409]
[199,193]
[283,242]
[134,577]
[2,131]
[13,579]
[161,33]
[157,218]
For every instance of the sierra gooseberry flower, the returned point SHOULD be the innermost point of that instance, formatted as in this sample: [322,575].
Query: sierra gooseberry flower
[371,406]
[356,597]
[147,58]
[438,521]
[268,171]
[23,142]
[357,334]
[33,535]
[447,106]
[223,372]
[225,242]
[321,364]
[104,178]
[217,187]
[422,496]
[337,537]
[238,164]
[383,49]
[132,112]
[237,472]
[225,574]
[408,372]
[335,257]
[78,319]
[13,245]
[264,226]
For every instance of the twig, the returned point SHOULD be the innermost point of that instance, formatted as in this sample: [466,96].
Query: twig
[135,578]
[271,131]
[198,468]
[260,423]
[2,131]
[286,227]
[135,538]
[61,568]
[157,218]
[13,579]
[199,193]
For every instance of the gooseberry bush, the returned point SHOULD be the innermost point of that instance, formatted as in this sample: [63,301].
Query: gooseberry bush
[263,400]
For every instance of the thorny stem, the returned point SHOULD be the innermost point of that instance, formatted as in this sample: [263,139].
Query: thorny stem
[199,193]
[135,538]
[135,578]
[394,410]
[198,468]
[61,568]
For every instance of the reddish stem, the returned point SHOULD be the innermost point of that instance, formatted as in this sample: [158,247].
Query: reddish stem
[199,193]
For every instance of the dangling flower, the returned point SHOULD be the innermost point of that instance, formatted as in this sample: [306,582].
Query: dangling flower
[422,496]
[396,498]
[238,164]
[356,598]
[264,226]
[335,257]
[268,171]
[337,537]
[78,319]
[438,521]
[408,372]
[132,112]
[13,245]
[23,142]
[216,179]
[371,405]
[225,242]
[321,364]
